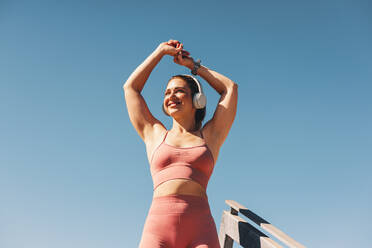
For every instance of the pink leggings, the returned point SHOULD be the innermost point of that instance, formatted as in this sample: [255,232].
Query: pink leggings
[179,221]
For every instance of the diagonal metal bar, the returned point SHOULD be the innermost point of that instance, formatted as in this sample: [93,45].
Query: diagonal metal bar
[276,232]
[243,233]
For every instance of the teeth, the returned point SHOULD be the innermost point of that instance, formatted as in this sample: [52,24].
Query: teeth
[174,103]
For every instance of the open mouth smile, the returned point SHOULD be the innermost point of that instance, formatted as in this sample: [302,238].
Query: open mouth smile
[173,104]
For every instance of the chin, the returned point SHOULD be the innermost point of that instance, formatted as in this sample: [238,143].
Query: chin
[177,113]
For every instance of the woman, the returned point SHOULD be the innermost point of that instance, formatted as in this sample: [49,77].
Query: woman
[181,159]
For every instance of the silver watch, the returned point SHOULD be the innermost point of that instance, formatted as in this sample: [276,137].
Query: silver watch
[196,67]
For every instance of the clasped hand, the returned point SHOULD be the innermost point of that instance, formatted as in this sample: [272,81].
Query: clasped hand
[180,56]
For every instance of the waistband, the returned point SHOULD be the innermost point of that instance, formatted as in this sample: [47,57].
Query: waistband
[180,198]
[179,204]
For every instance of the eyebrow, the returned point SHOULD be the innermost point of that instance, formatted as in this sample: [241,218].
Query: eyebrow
[175,88]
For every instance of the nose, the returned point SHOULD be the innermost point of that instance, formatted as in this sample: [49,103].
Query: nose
[172,95]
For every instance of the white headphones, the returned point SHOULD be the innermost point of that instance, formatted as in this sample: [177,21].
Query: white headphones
[199,100]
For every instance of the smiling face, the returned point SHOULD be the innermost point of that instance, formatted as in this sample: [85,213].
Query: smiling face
[177,98]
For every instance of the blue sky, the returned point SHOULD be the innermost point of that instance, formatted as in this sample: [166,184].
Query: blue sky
[73,171]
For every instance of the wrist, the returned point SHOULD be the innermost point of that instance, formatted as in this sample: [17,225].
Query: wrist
[190,65]
[195,67]
[160,50]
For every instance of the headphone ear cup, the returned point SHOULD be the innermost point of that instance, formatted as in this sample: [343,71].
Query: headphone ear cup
[199,100]
[165,112]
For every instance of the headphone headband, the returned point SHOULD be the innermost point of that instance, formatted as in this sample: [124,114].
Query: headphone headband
[196,81]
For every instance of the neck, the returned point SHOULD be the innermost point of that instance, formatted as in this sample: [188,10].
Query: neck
[183,125]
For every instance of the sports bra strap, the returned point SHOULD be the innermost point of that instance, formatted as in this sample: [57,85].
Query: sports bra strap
[165,136]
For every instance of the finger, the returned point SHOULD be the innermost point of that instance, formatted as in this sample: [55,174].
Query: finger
[173,42]
[179,57]
[175,52]
[179,48]
[176,44]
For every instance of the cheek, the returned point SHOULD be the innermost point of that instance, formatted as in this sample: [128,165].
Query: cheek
[189,98]
[189,103]
[186,97]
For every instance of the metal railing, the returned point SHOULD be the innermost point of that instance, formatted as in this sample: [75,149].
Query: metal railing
[234,228]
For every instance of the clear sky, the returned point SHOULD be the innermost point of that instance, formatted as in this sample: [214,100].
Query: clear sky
[73,171]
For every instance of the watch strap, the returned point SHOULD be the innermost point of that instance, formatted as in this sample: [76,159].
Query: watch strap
[196,67]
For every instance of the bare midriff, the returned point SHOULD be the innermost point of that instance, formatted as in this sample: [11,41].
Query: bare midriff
[180,187]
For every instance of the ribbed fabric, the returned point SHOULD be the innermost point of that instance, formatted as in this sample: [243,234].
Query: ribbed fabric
[179,221]
[169,162]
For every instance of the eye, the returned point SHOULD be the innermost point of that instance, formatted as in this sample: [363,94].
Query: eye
[176,91]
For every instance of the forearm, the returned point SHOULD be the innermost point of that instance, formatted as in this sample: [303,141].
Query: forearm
[140,75]
[218,81]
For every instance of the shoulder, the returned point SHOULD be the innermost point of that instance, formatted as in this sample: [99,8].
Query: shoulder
[211,137]
[155,140]
[156,137]
[211,141]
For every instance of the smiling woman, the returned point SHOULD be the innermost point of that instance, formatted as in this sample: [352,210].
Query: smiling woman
[186,85]
[181,159]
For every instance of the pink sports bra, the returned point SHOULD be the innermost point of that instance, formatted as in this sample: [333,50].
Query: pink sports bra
[169,162]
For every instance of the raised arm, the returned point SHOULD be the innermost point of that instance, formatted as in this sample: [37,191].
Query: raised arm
[224,115]
[219,126]
[140,116]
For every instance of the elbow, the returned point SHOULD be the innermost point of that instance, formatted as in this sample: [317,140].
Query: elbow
[233,87]
[126,86]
